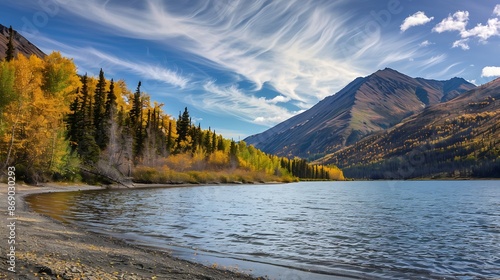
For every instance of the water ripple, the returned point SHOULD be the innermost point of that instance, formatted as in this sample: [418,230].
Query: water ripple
[420,230]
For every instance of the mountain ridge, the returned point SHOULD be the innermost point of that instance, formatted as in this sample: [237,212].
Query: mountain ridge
[21,44]
[457,138]
[366,105]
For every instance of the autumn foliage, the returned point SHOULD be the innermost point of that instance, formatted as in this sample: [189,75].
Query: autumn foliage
[56,124]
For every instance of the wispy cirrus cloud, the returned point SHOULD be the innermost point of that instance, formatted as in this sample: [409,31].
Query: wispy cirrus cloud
[418,18]
[88,55]
[304,50]
[257,110]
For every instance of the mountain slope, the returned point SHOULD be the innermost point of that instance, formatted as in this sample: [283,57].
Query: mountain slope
[21,44]
[366,105]
[458,138]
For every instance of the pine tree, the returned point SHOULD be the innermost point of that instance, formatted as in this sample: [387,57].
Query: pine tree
[87,148]
[109,114]
[99,111]
[73,122]
[214,142]
[136,116]
[183,124]
[169,138]
[220,144]
[9,53]
[206,142]
[135,112]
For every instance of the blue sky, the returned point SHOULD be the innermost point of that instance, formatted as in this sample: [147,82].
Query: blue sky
[243,66]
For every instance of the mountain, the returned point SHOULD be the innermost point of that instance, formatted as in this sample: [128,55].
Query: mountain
[366,105]
[458,138]
[21,44]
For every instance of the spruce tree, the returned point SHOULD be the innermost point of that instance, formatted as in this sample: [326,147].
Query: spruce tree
[206,142]
[9,53]
[183,124]
[220,144]
[136,124]
[214,142]
[169,138]
[73,122]
[87,147]
[135,112]
[109,114]
[100,132]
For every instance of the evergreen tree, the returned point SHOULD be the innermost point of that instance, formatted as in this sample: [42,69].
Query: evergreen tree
[220,144]
[109,114]
[170,141]
[206,142]
[87,148]
[183,124]
[136,115]
[99,112]
[74,122]
[135,112]
[233,149]
[214,142]
[9,53]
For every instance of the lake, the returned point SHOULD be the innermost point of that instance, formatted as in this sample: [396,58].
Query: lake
[306,230]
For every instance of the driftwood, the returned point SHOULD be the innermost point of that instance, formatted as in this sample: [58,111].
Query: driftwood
[97,173]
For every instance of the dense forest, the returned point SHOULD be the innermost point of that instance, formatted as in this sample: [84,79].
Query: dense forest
[58,125]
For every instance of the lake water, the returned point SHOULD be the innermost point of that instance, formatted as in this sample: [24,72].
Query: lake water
[307,230]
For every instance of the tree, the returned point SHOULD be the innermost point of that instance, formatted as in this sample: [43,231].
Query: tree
[170,141]
[100,132]
[9,53]
[110,112]
[81,133]
[136,116]
[7,78]
[183,124]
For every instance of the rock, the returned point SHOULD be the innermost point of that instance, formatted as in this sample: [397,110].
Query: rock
[44,269]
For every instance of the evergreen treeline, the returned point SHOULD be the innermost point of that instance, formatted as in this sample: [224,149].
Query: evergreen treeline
[55,124]
[465,145]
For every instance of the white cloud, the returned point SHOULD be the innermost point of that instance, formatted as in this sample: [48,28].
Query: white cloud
[279,99]
[490,71]
[496,10]
[457,22]
[425,43]
[418,18]
[461,44]
[483,32]
[473,81]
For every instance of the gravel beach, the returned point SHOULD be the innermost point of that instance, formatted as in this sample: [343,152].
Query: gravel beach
[47,249]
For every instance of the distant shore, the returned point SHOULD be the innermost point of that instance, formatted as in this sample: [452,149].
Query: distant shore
[52,250]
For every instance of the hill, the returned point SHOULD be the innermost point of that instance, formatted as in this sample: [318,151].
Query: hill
[458,138]
[365,106]
[21,44]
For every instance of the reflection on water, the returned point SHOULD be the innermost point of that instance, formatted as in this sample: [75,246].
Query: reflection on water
[363,229]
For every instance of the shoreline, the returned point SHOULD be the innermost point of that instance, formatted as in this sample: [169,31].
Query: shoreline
[48,249]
